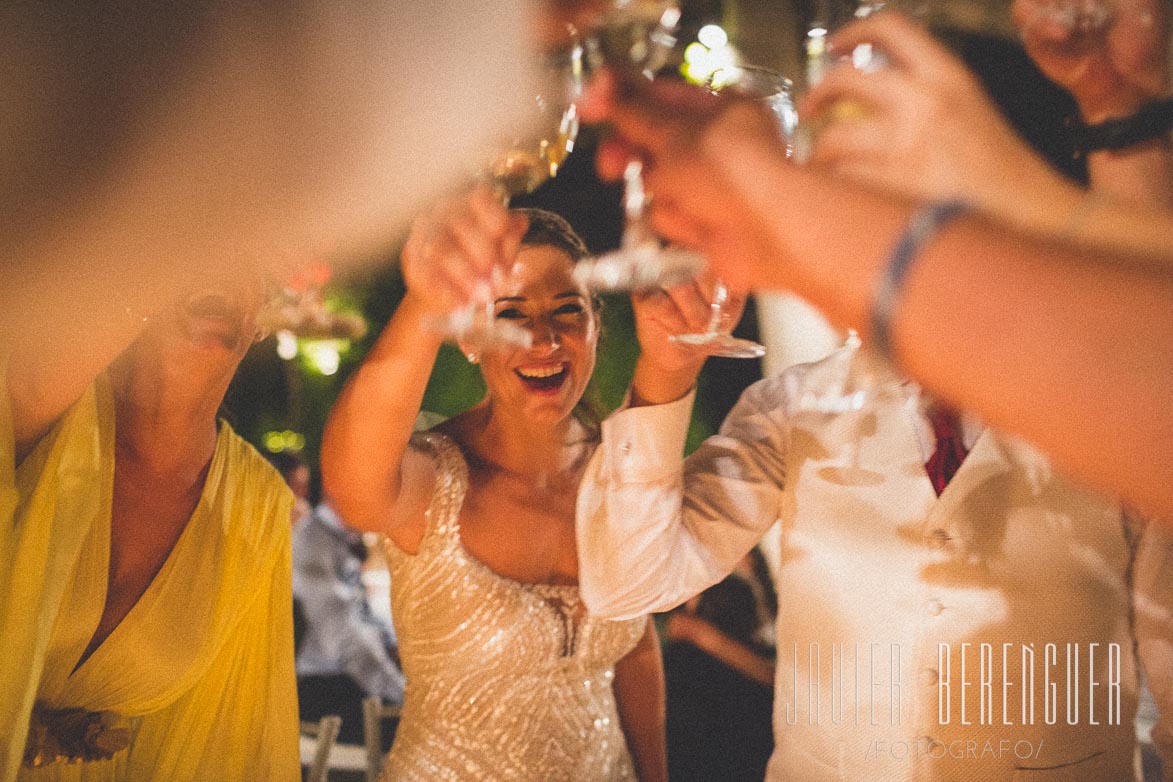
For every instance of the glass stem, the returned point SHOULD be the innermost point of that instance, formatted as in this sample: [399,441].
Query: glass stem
[720,296]
[635,199]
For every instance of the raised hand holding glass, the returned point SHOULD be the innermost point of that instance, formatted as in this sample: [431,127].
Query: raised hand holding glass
[529,159]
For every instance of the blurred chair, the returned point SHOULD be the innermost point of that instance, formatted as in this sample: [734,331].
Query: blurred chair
[374,711]
[323,732]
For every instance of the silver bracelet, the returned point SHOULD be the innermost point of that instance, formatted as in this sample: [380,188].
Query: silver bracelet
[922,226]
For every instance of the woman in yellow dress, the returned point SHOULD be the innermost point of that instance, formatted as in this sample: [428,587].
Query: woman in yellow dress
[145,595]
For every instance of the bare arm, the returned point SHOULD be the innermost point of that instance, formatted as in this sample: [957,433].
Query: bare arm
[367,434]
[639,697]
[708,638]
[370,424]
[1070,348]
[48,372]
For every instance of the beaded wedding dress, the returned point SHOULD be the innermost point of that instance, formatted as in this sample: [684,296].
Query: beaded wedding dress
[505,680]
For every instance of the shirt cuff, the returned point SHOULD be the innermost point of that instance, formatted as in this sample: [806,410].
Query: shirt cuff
[646,444]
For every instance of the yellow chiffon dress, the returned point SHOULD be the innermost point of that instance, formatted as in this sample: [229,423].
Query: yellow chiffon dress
[200,672]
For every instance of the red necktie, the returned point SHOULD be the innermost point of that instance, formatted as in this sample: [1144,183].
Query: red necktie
[951,451]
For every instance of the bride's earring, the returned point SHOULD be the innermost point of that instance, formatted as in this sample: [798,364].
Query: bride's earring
[473,357]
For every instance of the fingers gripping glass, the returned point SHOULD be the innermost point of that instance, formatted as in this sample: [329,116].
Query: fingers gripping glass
[529,159]
[636,38]
[717,339]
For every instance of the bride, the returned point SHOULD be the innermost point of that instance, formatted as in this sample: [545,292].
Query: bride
[508,676]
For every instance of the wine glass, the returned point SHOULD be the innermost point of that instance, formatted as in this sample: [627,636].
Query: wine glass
[774,91]
[636,37]
[828,16]
[529,159]
[717,338]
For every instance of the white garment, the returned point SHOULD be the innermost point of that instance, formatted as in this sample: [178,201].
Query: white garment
[877,573]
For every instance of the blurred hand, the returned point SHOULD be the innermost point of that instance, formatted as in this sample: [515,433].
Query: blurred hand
[1111,70]
[925,127]
[455,251]
[687,137]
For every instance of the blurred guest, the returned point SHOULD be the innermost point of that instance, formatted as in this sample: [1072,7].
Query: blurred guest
[145,584]
[347,652]
[159,139]
[508,675]
[719,678]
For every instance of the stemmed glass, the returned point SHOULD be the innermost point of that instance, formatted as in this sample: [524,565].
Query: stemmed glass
[851,387]
[773,90]
[528,160]
[717,338]
[636,37]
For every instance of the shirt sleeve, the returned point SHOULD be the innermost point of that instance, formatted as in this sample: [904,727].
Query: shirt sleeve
[1153,607]
[653,529]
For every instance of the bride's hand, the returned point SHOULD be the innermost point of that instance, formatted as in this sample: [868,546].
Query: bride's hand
[453,251]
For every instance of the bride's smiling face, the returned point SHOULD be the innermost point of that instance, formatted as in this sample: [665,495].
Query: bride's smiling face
[548,379]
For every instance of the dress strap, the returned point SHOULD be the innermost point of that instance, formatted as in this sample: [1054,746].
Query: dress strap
[443,514]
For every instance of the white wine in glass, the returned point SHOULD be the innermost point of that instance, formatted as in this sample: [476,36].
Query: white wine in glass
[530,158]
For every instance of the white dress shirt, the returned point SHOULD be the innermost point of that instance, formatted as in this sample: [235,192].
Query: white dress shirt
[884,588]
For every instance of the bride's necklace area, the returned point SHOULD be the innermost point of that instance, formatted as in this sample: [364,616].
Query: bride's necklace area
[540,474]
[537,473]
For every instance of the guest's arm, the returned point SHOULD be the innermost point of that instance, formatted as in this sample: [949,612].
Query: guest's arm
[685,626]
[639,697]
[1028,332]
